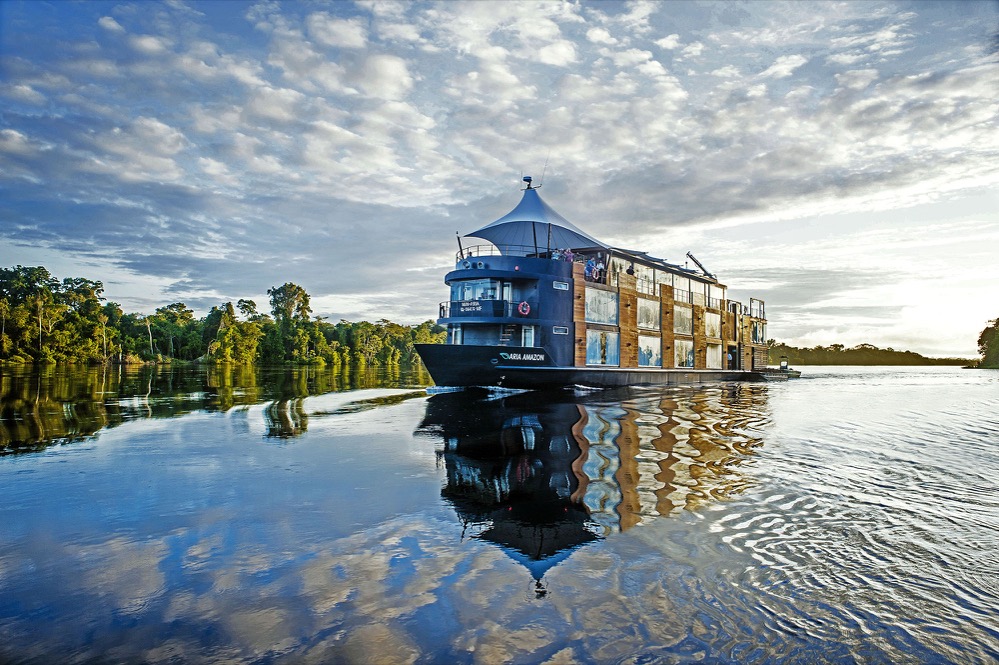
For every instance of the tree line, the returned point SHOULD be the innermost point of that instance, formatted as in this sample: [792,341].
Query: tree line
[862,354]
[44,320]
[988,345]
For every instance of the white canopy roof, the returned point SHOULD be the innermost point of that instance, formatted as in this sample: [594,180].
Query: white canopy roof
[534,226]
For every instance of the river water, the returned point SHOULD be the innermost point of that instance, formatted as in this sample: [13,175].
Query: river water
[311,517]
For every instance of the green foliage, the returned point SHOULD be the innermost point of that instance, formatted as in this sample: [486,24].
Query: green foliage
[43,320]
[862,354]
[988,345]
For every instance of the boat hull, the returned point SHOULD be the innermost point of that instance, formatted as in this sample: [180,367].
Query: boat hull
[463,366]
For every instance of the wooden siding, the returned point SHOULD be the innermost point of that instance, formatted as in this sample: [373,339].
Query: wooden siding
[628,319]
[579,314]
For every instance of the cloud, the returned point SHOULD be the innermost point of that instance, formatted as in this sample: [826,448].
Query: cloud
[339,33]
[600,36]
[670,42]
[857,79]
[280,105]
[110,24]
[149,44]
[784,66]
[384,76]
[561,54]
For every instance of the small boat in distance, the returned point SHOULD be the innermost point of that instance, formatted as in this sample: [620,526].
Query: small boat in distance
[781,373]
[546,305]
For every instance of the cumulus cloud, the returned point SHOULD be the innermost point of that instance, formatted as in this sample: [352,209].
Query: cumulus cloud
[561,54]
[384,76]
[600,36]
[109,24]
[14,142]
[784,66]
[340,33]
[149,44]
[274,104]
[857,79]
[669,42]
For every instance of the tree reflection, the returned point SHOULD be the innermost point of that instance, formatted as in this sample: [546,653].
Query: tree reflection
[541,475]
[63,404]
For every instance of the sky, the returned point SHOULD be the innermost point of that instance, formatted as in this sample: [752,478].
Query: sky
[838,160]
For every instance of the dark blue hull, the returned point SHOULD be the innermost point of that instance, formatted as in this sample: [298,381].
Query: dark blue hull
[464,366]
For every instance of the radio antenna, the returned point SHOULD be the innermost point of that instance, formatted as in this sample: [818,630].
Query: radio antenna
[546,167]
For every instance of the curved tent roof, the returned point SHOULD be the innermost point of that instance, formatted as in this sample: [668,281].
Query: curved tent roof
[527,227]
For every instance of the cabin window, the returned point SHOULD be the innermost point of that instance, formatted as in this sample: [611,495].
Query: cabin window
[560,330]
[648,314]
[683,320]
[649,351]
[714,357]
[683,351]
[602,347]
[527,336]
[560,286]
[712,325]
[601,306]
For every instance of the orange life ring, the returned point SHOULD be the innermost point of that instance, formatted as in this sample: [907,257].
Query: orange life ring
[524,308]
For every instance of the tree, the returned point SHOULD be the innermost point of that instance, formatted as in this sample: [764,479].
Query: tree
[289,301]
[988,345]
[248,309]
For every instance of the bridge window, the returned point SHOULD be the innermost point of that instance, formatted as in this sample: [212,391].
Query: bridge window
[479,289]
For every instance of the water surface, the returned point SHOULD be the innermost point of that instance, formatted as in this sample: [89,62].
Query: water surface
[257,517]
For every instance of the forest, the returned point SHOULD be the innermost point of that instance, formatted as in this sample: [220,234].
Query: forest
[862,354]
[47,320]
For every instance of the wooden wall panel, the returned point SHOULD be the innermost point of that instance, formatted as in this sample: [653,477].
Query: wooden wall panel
[666,324]
[579,314]
[700,340]
[628,319]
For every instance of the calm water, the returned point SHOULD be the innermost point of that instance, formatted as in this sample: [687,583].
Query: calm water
[302,517]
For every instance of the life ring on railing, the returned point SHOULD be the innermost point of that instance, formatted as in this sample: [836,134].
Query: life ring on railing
[524,308]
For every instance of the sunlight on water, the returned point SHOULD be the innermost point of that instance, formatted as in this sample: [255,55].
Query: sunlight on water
[194,516]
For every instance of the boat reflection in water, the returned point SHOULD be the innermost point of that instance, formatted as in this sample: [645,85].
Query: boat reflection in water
[542,475]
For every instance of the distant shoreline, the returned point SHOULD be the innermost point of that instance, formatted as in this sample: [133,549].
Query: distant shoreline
[863,355]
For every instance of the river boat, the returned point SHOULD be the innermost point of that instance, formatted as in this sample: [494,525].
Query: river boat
[782,372]
[546,305]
